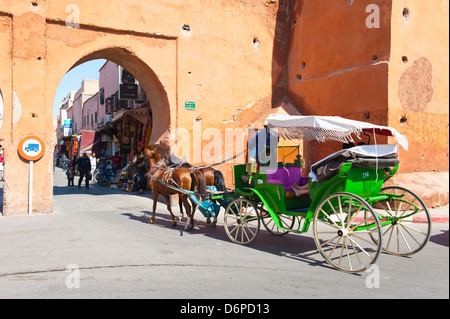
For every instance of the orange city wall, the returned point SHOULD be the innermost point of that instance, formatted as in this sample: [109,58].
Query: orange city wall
[364,60]
[418,85]
[225,60]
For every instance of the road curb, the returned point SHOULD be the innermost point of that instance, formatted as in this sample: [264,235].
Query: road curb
[439,219]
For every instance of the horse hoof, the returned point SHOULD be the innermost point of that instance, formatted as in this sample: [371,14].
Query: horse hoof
[151,221]
[174,223]
[208,220]
[213,225]
[189,227]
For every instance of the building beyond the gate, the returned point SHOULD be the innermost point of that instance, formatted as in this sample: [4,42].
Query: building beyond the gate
[228,64]
[118,122]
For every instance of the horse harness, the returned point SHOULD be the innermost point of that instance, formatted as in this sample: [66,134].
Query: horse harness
[167,175]
[166,181]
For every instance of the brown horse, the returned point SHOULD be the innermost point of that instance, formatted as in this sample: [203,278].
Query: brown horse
[212,176]
[182,178]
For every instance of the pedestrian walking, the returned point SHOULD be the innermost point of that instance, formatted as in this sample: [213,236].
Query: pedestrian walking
[1,163]
[84,167]
[70,176]
[93,160]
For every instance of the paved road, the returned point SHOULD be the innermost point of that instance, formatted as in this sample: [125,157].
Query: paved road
[98,244]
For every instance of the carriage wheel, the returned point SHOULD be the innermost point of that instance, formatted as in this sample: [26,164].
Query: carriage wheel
[286,220]
[344,225]
[405,220]
[241,221]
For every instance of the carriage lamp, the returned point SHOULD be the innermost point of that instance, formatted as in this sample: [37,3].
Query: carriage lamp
[251,167]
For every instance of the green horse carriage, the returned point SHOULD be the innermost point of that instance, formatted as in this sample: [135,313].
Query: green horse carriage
[352,215]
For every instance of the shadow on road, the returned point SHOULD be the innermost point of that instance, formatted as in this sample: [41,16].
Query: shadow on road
[94,189]
[300,247]
[440,239]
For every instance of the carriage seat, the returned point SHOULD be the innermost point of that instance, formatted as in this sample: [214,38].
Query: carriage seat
[381,156]
[287,176]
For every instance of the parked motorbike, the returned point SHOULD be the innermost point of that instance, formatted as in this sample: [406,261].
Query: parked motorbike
[104,177]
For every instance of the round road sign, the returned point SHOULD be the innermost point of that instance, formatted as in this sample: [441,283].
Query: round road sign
[31,148]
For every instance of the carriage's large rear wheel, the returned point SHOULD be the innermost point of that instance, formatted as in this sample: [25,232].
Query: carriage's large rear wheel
[344,226]
[405,220]
[241,221]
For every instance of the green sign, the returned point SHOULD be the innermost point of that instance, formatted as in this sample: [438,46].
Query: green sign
[188,105]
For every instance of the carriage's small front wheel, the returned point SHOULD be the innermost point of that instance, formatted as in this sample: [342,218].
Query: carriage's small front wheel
[241,221]
[286,220]
[344,226]
[405,220]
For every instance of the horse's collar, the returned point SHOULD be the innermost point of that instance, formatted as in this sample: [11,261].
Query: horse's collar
[156,167]
[153,170]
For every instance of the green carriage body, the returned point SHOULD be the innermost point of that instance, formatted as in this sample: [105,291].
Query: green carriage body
[271,198]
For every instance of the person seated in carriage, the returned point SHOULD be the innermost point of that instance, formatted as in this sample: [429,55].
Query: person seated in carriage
[262,148]
[263,145]
[300,190]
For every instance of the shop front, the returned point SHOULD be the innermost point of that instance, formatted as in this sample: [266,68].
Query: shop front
[134,129]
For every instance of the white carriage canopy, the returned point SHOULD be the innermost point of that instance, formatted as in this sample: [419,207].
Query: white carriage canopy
[324,128]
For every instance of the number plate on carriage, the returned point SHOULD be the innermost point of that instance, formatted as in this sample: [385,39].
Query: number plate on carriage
[362,174]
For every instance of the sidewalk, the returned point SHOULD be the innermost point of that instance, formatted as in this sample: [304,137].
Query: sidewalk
[439,214]
[431,187]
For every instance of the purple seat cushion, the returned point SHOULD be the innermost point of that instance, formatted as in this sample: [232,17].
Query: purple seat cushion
[295,176]
[280,176]
[287,177]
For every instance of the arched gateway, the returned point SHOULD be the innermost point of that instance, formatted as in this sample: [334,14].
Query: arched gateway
[40,58]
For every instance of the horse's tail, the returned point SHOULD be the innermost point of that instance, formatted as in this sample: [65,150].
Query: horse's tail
[199,182]
[219,181]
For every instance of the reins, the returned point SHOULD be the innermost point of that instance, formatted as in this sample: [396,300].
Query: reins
[193,167]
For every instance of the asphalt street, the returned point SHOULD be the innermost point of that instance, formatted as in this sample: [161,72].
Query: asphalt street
[98,244]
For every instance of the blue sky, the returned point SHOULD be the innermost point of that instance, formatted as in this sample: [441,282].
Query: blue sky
[72,81]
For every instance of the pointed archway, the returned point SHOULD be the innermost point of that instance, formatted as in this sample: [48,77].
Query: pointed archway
[148,80]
